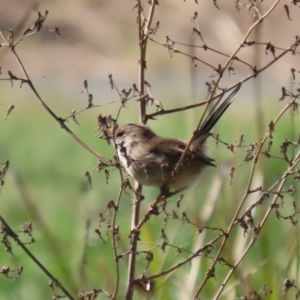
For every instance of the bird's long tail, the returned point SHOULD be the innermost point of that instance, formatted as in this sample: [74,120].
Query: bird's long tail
[216,112]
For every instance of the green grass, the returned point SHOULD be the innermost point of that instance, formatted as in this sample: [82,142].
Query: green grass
[46,186]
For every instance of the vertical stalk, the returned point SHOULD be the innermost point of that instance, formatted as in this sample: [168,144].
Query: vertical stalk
[143,29]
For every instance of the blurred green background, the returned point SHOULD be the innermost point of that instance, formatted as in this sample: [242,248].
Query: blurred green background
[46,185]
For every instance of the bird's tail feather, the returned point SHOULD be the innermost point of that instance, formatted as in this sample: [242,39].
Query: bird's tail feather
[217,111]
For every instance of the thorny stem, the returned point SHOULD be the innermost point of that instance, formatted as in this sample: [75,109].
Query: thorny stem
[143,39]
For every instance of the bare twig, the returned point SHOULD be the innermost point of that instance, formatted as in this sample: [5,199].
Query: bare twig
[13,235]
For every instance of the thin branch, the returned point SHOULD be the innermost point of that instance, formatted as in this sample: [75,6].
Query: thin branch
[13,235]
[59,120]
[114,239]
[258,228]
[242,202]
[253,75]
[219,79]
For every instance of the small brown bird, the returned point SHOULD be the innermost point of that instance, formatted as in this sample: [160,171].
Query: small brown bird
[151,159]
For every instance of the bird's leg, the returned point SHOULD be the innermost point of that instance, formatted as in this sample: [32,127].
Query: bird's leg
[165,192]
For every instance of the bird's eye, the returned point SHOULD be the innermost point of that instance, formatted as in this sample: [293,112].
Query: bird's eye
[120,134]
